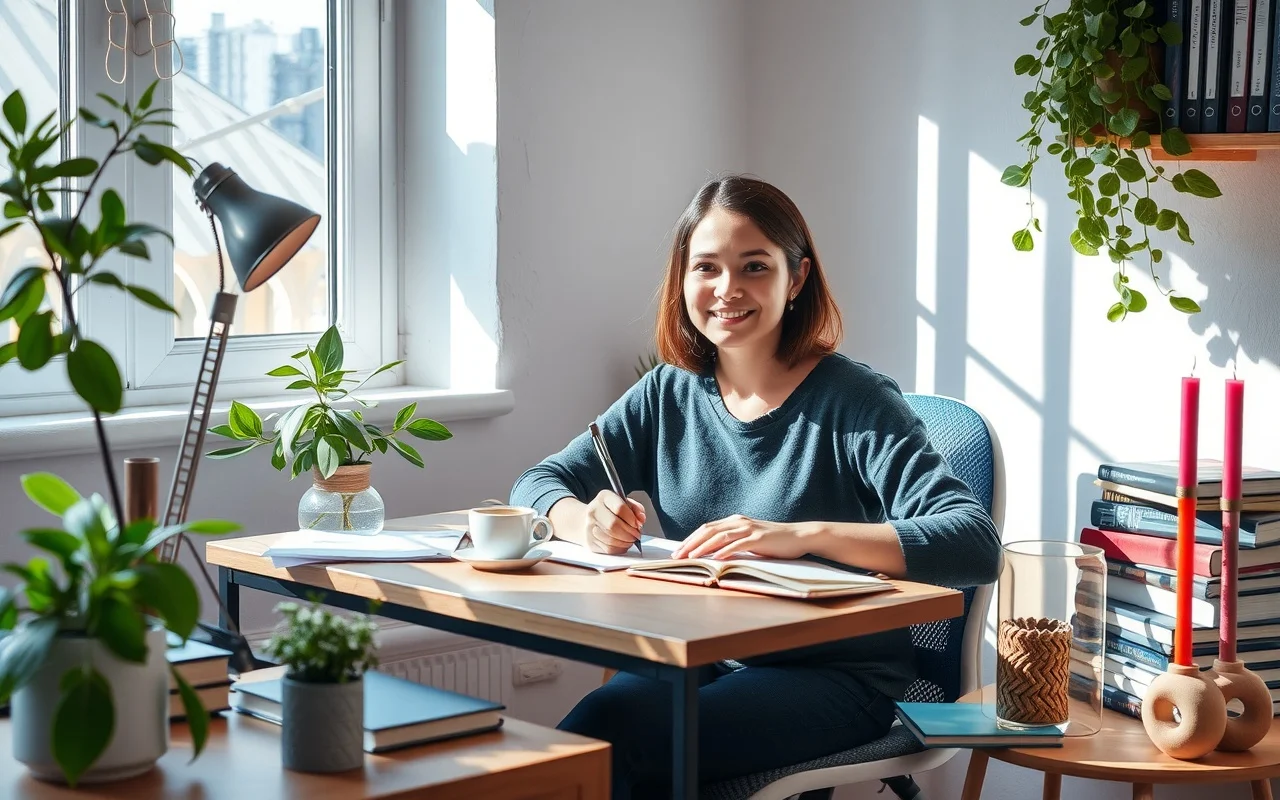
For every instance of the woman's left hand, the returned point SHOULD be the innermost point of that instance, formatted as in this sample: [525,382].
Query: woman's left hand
[730,536]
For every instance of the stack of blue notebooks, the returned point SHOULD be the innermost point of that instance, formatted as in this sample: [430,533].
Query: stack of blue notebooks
[397,712]
[967,725]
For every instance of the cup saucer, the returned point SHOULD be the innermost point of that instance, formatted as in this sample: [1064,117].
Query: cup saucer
[466,553]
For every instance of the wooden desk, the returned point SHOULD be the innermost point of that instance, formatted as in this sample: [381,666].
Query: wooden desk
[242,759]
[656,628]
[1122,752]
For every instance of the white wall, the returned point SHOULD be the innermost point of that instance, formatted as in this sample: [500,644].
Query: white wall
[873,114]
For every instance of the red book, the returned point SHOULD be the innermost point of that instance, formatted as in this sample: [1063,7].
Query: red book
[1241,53]
[1157,551]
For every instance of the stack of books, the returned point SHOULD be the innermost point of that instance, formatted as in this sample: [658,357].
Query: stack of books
[204,667]
[1135,523]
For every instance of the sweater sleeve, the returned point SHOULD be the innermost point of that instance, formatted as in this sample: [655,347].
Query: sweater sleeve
[628,427]
[947,537]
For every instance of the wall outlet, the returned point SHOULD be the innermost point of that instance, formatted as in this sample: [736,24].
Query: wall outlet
[535,671]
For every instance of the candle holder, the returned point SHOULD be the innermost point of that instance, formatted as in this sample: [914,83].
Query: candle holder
[1201,717]
[1051,601]
[1229,674]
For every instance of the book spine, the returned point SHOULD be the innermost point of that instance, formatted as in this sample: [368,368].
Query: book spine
[1139,479]
[1137,518]
[1135,653]
[1215,46]
[1138,549]
[1194,56]
[1141,639]
[1174,68]
[1260,66]
[1273,96]
[1160,580]
[1121,702]
[1241,52]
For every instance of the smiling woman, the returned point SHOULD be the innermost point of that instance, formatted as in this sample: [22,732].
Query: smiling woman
[755,437]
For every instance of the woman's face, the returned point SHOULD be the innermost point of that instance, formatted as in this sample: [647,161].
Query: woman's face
[736,282]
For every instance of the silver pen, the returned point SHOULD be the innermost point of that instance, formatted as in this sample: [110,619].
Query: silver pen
[614,481]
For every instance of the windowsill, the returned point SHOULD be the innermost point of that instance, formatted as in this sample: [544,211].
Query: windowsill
[149,426]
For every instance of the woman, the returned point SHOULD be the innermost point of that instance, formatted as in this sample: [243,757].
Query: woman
[756,436]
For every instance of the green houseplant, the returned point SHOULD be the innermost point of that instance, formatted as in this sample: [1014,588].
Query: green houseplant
[1098,88]
[88,616]
[334,443]
[322,698]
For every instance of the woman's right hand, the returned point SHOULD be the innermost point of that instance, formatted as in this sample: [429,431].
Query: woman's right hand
[613,523]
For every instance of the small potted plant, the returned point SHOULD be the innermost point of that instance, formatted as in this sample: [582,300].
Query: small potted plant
[322,698]
[1097,100]
[84,669]
[333,443]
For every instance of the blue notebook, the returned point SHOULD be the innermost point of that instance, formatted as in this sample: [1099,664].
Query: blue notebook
[966,725]
[397,712]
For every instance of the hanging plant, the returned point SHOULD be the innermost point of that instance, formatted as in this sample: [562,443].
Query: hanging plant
[1099,89]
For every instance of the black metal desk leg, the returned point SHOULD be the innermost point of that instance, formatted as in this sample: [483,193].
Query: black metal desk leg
[684,735]
[229,591]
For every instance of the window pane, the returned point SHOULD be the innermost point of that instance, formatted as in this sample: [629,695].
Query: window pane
[251,96]
[30,41]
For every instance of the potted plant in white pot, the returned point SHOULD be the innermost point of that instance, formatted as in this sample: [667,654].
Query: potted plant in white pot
[322,697]
[334,443]
[84,668]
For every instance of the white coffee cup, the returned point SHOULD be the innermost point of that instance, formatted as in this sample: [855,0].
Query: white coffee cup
[503,532]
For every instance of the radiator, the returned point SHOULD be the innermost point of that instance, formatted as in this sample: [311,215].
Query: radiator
[483,671]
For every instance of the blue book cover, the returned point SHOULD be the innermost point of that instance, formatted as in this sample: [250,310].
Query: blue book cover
[967,725]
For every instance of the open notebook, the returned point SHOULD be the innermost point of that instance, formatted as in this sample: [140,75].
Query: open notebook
[800,579]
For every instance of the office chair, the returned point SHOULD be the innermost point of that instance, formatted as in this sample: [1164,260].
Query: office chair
[948,652]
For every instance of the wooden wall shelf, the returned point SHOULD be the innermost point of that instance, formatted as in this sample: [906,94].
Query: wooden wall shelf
[1217,146]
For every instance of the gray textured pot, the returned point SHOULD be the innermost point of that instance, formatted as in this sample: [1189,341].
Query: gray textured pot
[323,726]
[140,693]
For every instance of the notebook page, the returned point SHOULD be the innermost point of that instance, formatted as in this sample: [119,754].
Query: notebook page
[815,575]
[655,549]
[309,547]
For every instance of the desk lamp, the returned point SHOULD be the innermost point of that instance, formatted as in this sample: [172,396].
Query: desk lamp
[262,233]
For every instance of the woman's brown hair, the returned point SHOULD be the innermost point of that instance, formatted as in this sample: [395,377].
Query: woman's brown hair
[813,328]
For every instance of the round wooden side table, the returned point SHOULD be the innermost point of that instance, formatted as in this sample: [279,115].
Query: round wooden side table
[1122,752]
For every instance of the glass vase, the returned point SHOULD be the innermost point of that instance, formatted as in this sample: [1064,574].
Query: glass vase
[1050,629]
[342,503]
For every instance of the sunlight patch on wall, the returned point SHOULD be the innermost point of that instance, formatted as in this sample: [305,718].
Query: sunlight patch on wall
[1004,373]
[471,88]
[926,254]
[473,353]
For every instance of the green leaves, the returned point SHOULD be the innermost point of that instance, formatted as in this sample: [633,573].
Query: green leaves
[1184,304]
[329,350]
[15,112]
[35,341]
[429,429]
[1022,240]
[24,653]
[50,492]
[94,376]
[1130,169]
[1195,182]
[1015,176]
[1174,142]
[244,421]
[1123,122]
[168,590]
[1133,69]
[83,721]
[1109,184]
[197,717]
[1025,64]
[1145,211]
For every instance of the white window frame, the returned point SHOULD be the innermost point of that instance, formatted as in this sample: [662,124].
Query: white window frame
[157,367]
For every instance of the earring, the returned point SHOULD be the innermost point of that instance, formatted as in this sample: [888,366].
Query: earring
[791,304]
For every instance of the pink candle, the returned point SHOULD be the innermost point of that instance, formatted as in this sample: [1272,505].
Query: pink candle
[1231,492]
[1186,492]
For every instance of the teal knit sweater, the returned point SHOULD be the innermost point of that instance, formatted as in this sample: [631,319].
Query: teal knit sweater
[844,447]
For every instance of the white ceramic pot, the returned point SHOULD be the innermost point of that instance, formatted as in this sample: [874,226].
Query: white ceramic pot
[140,693]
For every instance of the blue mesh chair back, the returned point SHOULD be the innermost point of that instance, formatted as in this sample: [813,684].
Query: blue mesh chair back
[960,436]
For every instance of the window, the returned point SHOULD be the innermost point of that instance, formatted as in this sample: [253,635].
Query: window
[289,94]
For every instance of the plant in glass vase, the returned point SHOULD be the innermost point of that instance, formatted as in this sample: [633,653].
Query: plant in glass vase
[322,698]
[333,443]
[1100,94]
[84,667]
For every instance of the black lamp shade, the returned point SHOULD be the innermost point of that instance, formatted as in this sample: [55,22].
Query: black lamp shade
[261,232]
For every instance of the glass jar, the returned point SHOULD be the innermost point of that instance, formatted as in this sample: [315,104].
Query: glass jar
[342,503]
[1050,630]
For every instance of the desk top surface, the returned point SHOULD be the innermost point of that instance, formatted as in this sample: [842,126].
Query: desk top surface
[242,759]
[1121,751]
[660,621]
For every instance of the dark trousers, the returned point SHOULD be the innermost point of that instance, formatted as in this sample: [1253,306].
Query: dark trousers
[749,720]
